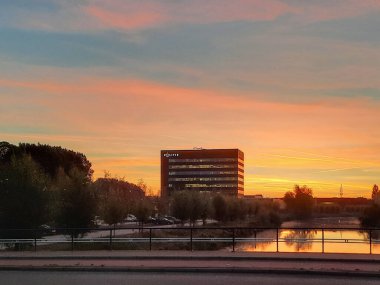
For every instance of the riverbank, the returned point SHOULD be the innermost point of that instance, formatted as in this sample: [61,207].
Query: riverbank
[324,222]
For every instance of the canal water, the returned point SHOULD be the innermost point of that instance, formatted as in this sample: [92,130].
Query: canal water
[339,240]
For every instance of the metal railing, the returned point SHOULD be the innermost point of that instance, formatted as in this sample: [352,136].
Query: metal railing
[190,237]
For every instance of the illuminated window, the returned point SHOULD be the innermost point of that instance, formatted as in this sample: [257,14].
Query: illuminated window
[190,166]
[202,172]
[195,185]
[204,179]
[203,160]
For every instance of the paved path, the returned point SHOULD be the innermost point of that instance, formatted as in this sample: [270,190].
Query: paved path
[184,261]
[127,278]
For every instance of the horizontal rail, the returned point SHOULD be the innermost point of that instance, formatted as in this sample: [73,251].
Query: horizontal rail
[188,235]
[171,227]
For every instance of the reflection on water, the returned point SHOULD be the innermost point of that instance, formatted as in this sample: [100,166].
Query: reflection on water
[300,240]
[329,241]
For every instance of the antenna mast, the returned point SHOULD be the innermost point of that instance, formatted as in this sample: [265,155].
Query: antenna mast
[341,191]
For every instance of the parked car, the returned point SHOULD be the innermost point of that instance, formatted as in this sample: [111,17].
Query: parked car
[164,221]
[98,221]
[151,220]
[45,229]
[130,218]
[173,219]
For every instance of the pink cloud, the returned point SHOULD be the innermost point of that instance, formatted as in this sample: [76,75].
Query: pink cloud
[199,11]
[126,14]
[339,9]
[134,15]
[145,14]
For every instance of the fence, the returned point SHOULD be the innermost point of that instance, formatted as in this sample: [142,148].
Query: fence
[190,238]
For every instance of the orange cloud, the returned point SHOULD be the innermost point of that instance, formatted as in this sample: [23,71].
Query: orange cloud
[141,117]
[112,98]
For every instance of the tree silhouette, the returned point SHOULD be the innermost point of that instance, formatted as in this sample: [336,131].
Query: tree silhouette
[375,192]
[24,197]
[300,202]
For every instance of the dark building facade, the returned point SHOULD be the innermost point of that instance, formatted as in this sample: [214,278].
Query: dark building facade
[214,170]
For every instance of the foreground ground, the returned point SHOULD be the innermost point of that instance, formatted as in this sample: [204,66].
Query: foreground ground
[121,278]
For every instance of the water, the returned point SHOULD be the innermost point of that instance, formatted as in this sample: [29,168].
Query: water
[335,241]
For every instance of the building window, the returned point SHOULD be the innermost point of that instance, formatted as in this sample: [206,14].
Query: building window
[204,179]
[202,172]
[204,160]
[190,166]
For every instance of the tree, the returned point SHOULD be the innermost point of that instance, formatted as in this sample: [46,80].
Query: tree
[375,194]
[205,207]
[252,208]
[220,208]
[371,216]
[195,207]
[114,193]
[24,197]
[242,209]
[142,185]
[180,206]
[300,202]
[143,210]
[113,209]
[76,202]
[51,159]
[7,151]
[161,204]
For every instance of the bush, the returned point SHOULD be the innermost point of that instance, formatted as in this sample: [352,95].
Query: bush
[371,216]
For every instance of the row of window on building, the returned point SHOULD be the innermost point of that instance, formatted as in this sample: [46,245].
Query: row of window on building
[217,169]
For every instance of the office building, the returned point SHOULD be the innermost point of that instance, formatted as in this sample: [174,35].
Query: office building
[213,170]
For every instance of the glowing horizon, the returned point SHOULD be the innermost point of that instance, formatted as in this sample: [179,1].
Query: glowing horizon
[293,84]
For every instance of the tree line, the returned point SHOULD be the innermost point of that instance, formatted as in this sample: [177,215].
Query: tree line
[193,206]
[42,184]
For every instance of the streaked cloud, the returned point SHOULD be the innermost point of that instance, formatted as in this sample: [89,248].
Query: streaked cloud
[130,15]
[123,113]
[294,84]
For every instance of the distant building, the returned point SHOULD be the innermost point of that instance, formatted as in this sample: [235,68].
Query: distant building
[254,197]
[336,205]
[213,170]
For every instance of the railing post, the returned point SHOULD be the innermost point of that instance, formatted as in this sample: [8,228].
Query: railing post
[35,240]
[150,239]
[233,240]
[191,239]
[255,235]
[323,240]
[110,239]
[370,241]
[72,240]
[276,239]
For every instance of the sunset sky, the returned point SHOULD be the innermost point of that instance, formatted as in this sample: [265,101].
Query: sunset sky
[294,84]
